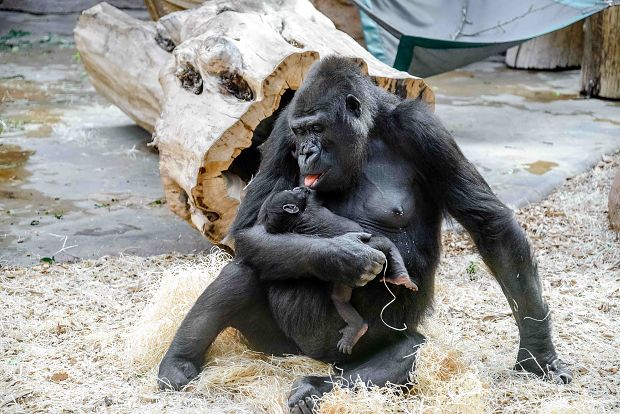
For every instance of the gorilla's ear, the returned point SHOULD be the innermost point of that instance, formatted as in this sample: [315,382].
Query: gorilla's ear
[354,105]
[290,208]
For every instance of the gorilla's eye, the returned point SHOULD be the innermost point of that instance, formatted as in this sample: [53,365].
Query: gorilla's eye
[317,128]
[297,131]
[290,208]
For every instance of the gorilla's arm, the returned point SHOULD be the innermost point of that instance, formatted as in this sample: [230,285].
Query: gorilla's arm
[343,259]
[459,189]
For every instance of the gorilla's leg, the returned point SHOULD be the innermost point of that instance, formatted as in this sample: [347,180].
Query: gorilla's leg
[391,364]
[356,325]
[234,299]
[507,251]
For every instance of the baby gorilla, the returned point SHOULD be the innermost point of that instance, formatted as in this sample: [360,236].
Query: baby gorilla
[299,211]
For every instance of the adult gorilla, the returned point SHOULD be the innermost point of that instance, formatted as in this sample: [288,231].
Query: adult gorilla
[391,166]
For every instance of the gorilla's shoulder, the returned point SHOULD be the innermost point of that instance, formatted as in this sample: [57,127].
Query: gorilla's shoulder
[412,111]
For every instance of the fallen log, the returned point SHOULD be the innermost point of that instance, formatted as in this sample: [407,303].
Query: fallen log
[343,13]
[232,66]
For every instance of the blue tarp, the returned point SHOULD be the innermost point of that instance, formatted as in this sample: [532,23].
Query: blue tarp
[426,37]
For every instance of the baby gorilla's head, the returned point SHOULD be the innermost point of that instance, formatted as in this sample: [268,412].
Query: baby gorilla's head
[282,211]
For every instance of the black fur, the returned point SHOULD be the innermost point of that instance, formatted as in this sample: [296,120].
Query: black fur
[299,211]
[389,165]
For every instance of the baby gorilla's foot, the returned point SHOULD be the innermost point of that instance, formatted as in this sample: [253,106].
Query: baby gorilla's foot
[403,280]
[350,336]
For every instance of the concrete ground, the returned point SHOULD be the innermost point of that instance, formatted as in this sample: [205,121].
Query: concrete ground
[77,179]
[526,131]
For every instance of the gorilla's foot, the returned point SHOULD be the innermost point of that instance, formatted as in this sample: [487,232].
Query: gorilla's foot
[175,373]
[305,393]
[403,280]
[350,335]
[551,368]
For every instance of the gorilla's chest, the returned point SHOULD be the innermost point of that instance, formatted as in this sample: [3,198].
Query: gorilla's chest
[383,200]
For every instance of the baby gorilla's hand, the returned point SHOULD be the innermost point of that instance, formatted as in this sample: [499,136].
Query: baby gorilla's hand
[348,260]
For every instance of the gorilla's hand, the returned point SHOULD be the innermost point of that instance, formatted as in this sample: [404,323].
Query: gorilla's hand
[348,260]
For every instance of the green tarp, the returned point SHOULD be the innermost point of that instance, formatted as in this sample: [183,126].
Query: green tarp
[426,37]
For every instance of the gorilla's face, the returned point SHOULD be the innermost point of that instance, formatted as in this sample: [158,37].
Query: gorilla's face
[330,124]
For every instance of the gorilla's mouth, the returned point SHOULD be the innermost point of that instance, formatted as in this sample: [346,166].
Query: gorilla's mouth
[311,180]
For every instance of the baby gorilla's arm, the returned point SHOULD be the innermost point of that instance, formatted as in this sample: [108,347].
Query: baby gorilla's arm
[319,220]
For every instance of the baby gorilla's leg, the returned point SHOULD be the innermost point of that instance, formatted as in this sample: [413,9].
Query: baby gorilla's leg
[397,273]
[356,326]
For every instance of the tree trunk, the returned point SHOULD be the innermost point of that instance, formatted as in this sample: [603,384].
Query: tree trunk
[613,207]
[600,68]
[561,49]
[232,66]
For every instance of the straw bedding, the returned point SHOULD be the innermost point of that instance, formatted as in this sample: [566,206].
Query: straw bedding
[88,336]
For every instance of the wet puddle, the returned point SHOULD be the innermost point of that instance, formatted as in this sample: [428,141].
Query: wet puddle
[41,131]
[546,96]
[540,167]
[35,122]
[463,83]
[12,160]
[17,89]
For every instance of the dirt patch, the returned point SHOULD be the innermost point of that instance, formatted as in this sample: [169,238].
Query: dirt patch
[86,336]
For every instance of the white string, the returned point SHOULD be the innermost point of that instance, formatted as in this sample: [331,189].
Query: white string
[404,328]
[538,320]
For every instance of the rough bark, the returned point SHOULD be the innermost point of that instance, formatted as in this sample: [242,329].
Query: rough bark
[600,68]
[613,207]
[562,49]
[233,64]
[343,13]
